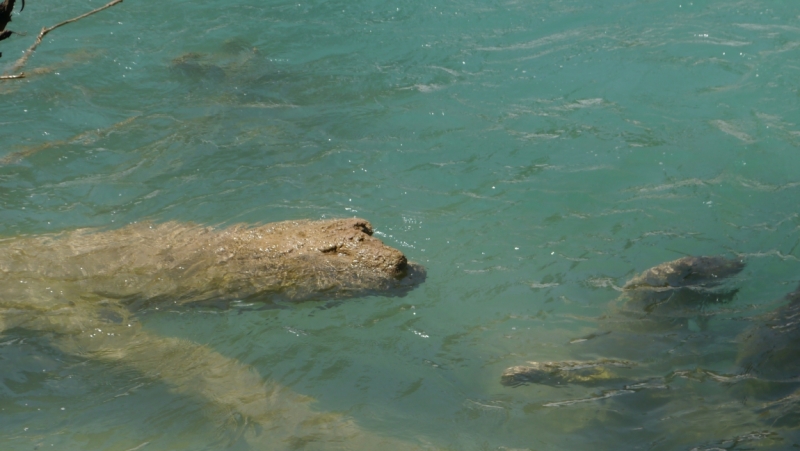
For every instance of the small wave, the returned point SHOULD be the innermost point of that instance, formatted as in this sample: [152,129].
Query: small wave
[536,42]
[603,282]
[770,253]
[604,395]
[449,71]
[266,105]
[681,184]
[137,448]
[539,136]
[705,39]
[544,285]
[580,104]
[600,167]
[760,27]
[423,88]
[727,127]
[761,186]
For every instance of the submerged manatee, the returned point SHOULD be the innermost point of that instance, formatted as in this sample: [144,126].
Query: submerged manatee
[668,295]
[82,289]
[182,263]
[771,349]
[663,297]
[686,272]
[587,372]
[769,357]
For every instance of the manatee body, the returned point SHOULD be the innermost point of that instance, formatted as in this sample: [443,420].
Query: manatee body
[770,350]
[686,272]
[663,302]
[80,289]
[675,291]
[586,372]
[86,279]
[662,298]
[179,263]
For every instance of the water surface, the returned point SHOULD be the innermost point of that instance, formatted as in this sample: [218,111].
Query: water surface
[532,155]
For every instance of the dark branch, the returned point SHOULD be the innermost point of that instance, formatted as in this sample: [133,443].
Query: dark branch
[5,17]
[21,62]
[5,12]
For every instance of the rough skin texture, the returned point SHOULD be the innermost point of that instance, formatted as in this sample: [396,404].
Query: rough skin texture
[686,272]
[769,350]
[662,297]
[178,263]
[562,373]
[667,295]
[82,289]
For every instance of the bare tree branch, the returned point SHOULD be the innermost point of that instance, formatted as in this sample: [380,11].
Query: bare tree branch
[5,17]
[5,12]
[21,62]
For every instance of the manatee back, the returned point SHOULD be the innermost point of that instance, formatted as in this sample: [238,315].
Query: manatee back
[771,349]
[672,292]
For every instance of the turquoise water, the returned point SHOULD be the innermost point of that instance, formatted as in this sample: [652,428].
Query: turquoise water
[532,155]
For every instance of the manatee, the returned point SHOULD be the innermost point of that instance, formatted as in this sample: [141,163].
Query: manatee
[770,348]
[82,289]
[194,67]
[659,318]
[588,372]
[664,297]
[769,358]
[766,372]
[686,272]
[223,67]
[668,295]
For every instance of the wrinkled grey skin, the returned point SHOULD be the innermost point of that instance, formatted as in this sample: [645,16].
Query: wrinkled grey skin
[771,349]
[667,305]
[686,272]
[82,289]
[584,372]
[145,263]
[664,298]
[769,358]
[667,296]
[661,298]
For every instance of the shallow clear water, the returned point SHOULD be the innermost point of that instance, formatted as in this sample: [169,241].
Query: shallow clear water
[532,155]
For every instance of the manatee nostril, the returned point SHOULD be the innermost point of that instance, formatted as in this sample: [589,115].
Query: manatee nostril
[363,226]
[403,263]
[329,249]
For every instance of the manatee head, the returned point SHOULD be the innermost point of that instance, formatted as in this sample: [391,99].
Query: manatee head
[687,272]
[331,258]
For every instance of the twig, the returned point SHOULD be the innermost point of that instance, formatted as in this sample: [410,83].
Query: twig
[21,62]
[5,12]
[12,77]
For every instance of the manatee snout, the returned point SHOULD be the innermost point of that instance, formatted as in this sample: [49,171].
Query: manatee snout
[701,271]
